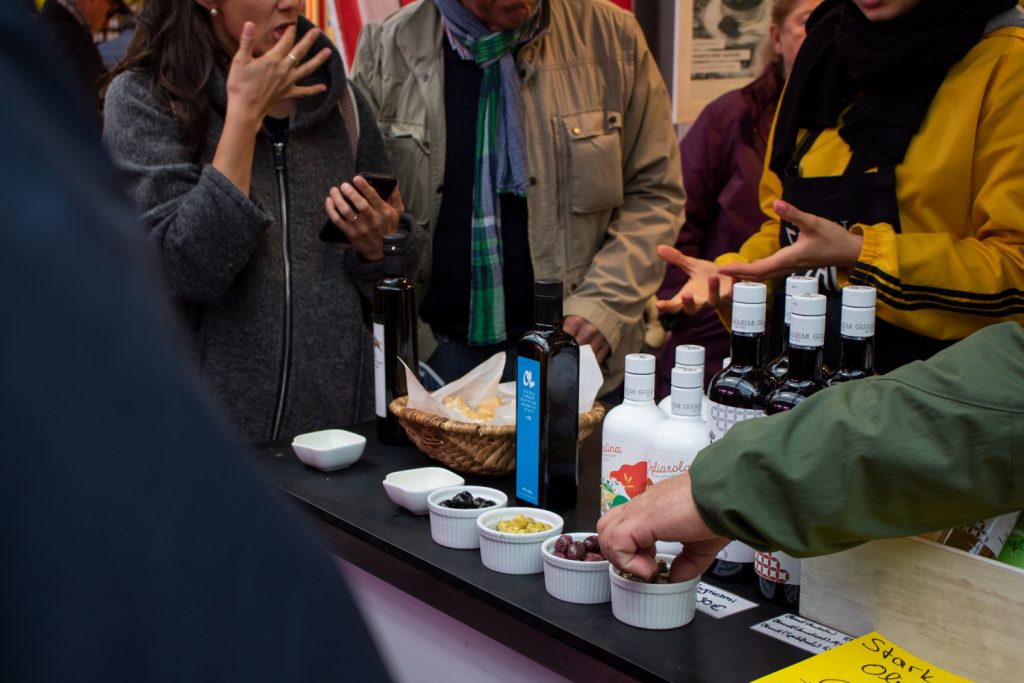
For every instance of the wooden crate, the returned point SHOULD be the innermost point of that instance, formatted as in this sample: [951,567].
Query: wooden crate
[962,612]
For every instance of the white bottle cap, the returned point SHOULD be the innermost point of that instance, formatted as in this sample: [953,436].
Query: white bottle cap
[858,296]
[858,316]
[795,285]
[749,293]
[640,364]
[687,378]
[807,324]
[690,355]
[748,307]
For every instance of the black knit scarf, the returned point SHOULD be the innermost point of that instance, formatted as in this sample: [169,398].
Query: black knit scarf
[890,71]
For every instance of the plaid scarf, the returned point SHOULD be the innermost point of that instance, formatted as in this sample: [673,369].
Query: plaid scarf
[500,157]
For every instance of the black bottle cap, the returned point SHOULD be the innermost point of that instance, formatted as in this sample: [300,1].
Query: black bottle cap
[547,289]
[394,254]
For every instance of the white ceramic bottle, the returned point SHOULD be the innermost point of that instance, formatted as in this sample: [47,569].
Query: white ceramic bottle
[678,439]
[626,434]
[687,356]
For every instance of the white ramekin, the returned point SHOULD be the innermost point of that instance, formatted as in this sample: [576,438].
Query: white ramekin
[455,528]
[578,581]
[514,553]
[653,605]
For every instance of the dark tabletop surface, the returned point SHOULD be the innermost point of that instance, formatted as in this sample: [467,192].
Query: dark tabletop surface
[353,502]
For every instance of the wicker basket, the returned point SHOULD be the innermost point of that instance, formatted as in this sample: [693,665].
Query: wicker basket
[470,447]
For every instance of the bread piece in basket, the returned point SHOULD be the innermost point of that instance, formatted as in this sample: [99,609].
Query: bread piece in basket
[470,447]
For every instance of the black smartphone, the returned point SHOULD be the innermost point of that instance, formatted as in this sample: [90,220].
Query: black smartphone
[383,183]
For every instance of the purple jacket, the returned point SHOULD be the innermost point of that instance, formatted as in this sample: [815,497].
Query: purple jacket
[722,157]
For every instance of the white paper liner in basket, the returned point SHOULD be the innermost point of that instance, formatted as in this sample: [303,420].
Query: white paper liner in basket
[483,382]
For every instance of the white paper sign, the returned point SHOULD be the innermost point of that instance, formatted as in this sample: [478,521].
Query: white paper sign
[718,603]
[802,633]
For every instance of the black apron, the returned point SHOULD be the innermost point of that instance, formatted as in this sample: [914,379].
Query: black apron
[854,197]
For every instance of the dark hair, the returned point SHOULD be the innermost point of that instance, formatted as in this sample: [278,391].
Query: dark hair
[174,45]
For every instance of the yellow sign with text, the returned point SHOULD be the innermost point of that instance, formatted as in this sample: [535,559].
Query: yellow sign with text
[869,659]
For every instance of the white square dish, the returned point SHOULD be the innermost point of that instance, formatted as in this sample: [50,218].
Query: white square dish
[410,488]
[329,449]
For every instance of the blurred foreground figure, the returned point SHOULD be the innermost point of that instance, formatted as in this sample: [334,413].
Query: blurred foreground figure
[137,544]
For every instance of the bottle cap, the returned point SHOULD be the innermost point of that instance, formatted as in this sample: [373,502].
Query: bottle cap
[687,378]
[858,296]
[689,354]
[809,304]
[640,364]
[395,243]
[801,284]
[547,289]
[749,293]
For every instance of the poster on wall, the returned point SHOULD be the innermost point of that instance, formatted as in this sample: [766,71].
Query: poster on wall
[716,48]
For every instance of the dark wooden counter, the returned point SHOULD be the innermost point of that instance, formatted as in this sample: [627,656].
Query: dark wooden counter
[363,526]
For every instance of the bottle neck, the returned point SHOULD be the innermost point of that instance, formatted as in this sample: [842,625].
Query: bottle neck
[394,265]
[805,363]
[686,402]
[547,313]
[747,350]
[857,354]
[785,339]
[638,389]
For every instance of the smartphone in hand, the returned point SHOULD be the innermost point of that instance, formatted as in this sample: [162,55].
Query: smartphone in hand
[383,183]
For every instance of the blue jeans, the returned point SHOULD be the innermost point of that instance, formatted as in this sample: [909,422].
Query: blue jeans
[453,358]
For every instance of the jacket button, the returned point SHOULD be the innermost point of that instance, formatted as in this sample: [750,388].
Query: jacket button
[522,73]
[576,131]
[440,189]
[533,180]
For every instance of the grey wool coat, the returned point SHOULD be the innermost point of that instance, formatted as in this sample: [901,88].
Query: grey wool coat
[275,315]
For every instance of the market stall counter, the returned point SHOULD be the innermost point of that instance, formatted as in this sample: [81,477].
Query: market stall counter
[363,526]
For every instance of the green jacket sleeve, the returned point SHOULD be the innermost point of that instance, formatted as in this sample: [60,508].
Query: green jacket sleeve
[929,446]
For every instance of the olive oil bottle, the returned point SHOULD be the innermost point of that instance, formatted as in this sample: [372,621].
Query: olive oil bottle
[547,406]
[394,338]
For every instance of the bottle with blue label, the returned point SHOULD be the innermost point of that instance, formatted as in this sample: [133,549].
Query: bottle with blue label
[547,406]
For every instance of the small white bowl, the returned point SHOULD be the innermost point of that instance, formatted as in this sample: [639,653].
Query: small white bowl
[582,582]
[653,605]
[330,449]
[454,527]
[410,488]
[509,553]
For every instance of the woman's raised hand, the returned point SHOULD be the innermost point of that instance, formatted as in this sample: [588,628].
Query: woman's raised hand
[822,243]
[705,288]
[371,219]
[255,84]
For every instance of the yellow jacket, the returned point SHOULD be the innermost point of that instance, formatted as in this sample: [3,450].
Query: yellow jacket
[958,264]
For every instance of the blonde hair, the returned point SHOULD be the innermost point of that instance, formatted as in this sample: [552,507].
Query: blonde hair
[781,9]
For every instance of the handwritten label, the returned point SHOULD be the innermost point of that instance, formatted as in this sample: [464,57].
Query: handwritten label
[718,603]
[868,659]
[802,633]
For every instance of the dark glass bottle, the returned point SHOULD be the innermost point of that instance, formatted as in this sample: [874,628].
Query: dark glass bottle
[857,335]
[806,348]
[778,574]
[795,285]
[547,406]
[394,338]
[737,393]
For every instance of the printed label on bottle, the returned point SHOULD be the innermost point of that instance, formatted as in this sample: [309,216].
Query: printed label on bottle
[737,552]
[639,388]
[379,390]
[777,567]
[623,475]
[528,392]
[857,322]
[721,418]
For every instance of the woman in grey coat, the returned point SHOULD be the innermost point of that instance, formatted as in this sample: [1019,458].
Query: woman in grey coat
[236,163]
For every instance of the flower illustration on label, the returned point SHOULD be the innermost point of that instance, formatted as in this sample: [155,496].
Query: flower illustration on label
[632,477]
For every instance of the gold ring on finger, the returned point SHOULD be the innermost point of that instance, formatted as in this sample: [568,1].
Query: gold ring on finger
[295,60]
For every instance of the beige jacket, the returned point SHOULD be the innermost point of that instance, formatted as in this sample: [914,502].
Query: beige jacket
[606,186]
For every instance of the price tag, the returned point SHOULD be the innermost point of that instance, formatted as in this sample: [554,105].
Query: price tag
[802,633]
[868,659]
[718,603]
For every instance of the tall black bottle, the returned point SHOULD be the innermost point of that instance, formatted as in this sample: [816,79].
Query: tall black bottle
[738,393]
[795,286]
[857,335]
[394,338]
[778,574]
[547,406]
